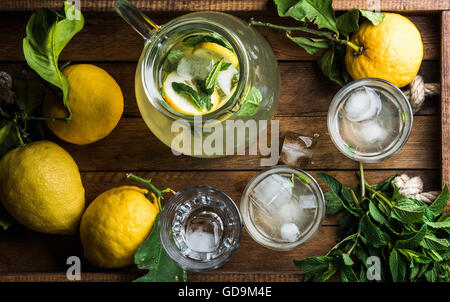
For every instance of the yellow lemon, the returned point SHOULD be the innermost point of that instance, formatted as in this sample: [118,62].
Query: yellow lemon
[392,51]
[115,224]
[41,187]
[96,102]
[214,49]
[183,103]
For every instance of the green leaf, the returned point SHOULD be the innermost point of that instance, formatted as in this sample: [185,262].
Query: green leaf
[29,94]
[333,202]
[9,137]
[348,203]
[175,56]
[386,185]
[194,40]
[332,269]
[398,266]
[151,256]
[413,241]
[438,206]
[4,131]
[212,76]
[373,17]
[376,214]
[347,260]
[313,264]
[348,22]
[310,45]
[348,274]
[431,275]
[182,88]
[431,242]
[235,79]
[434,255]
[251,103]
[225,66]
[47,33]
[331,66]
[445,217]
[396,194]
[331,182]
[372,233]
[439,224]
[415,257]
[303,178]
[320,12]
[414,272]
[407,211]
[348,225]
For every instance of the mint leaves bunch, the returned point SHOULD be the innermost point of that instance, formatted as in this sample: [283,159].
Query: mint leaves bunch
[318,18]
[410,238]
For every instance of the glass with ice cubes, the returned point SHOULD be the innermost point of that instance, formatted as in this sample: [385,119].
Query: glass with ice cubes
[200,228]
[370,120]
[282,208]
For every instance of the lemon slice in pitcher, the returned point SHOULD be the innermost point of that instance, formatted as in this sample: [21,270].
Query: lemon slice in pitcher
[182,102]
[211,49]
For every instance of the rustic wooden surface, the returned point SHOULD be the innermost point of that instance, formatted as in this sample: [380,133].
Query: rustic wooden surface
[445,97]
[226,5]
[109,43]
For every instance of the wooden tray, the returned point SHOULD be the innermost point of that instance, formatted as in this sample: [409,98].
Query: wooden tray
[110,43]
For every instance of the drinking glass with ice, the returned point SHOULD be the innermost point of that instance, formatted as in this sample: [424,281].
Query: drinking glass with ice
[369,120]
[281,210]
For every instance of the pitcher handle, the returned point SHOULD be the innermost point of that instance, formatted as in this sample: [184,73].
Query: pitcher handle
[136,19]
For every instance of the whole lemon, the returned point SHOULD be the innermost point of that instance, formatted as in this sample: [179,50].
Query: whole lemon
[392,50]
[115,224]
[41,187]
[96,102]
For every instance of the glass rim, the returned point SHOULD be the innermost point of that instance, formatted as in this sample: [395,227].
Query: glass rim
[165,231]
[401,138]
[273,244]
[196,18]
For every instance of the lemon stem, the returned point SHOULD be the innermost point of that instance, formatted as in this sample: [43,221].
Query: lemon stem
[158,193]
[19,136]
[326,34]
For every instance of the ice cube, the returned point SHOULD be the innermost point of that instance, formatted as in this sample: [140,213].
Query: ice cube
[224,79]
[289,231]
[200,241]
[372,132]
[308,201]
[290,211]
[297,149]
[197,67]
[272,193]
[362,105]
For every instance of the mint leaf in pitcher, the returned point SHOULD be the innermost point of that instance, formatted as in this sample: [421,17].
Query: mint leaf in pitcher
[251,103]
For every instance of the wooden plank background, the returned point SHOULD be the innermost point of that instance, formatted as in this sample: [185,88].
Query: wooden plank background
[109,43]
[226,5]
[445,97]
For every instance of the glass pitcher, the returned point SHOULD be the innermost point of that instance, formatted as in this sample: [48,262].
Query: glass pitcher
[190,134]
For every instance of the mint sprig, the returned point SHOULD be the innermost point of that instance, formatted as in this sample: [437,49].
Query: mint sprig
[318,18]
[410,238]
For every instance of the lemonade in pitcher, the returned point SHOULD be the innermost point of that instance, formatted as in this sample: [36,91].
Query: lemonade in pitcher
[200,73]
